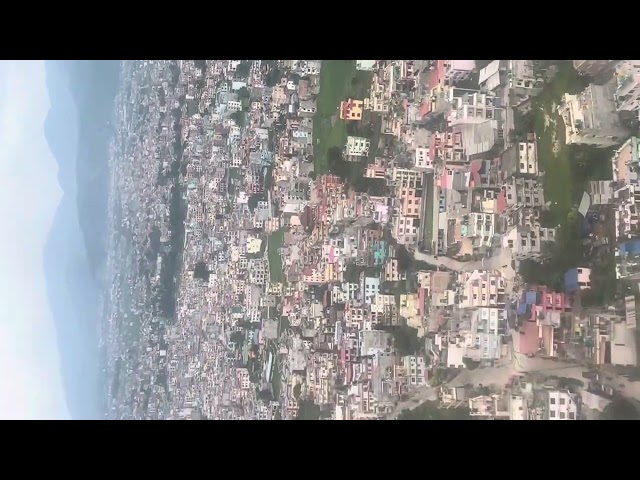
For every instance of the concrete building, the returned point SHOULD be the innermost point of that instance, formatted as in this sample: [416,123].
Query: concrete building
[405,229]
[561,405]
[481,288]
[593,67]
[601,192]
[625,162]
[523,82]
[422,159]
[481,228]
[628,86]
[366,65]
[523,193]
[472,106]
[405,178]
[456,71]
[351,110]
[356,148]
[416,369]
[410,200]
[527,158]
[590,118]
[577,279]
[528,242]
[627,212]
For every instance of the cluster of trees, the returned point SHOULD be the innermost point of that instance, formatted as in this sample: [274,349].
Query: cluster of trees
[405,339]
[620,409]
[242,70]
[353,173]
[430,410]
[201,271]
[240,118]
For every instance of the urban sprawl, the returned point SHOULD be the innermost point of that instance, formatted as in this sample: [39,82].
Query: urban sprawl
[373,239]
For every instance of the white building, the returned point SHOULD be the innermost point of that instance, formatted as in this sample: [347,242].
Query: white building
[471,106]
[528,158]
[416,370]
[590,118]
[422,159]
[481,228]
[523,192]
[528,242]
[561,405]
[234,106]
[357,146]
[405,178]
[485,340]
[405,229]
[481,288]
[367,65]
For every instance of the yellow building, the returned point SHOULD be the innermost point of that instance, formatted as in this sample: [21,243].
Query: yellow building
[253,245]
[351,110]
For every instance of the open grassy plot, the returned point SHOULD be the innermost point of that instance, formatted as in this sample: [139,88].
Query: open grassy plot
[339,80]
[276,272]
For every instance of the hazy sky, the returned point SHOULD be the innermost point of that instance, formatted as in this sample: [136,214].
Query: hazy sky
[31,383]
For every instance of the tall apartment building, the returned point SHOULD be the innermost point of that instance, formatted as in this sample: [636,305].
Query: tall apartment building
[590,117]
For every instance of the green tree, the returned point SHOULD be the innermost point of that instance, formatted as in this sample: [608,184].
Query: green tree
[201,271]
[240,118]
[430,410]
[470,364]
[296,391]
[620,409]
[242,70]
[308,410]
[404,258]
[243,94]
[237,338]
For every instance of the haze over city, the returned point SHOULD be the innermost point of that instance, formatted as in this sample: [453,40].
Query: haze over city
[29,197]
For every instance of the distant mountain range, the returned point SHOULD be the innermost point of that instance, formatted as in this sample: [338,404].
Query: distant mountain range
[76,128]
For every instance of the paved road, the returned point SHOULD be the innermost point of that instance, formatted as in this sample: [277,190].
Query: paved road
[496,262]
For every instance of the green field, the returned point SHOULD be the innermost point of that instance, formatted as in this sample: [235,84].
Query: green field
[276,272]
[567,171]
[276,379]
[561,186]
[339,80]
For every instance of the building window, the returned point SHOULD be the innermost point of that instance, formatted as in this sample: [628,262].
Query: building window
[562,400]
[552,414]
[552,401]
[572,416]
[562,415]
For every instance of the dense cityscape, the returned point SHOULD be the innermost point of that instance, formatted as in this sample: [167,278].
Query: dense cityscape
[373,239]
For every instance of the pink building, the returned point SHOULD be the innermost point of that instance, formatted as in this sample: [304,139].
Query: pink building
[544,297]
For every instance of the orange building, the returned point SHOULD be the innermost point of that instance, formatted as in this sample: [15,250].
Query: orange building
[351,110]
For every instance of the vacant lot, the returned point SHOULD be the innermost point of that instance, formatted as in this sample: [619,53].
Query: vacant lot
[339,80]
[276,272]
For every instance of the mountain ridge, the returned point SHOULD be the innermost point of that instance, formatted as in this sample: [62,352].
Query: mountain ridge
[81,105]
